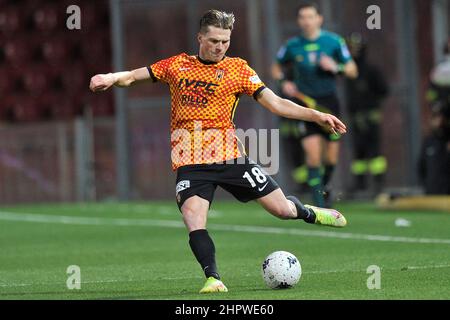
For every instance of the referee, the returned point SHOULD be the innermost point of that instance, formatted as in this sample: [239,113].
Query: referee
[306,67]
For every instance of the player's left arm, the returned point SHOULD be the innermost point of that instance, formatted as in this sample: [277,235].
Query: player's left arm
[341,61]
[344,58]
[288,109]
[350,70]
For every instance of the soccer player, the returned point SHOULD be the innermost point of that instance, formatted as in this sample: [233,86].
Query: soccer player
[205,90]
[307,65]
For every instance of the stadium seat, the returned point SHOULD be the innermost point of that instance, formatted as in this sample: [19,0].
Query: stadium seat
[6,107]
[11,20]
[102,105]
[8,80]
[64,107]
[37,79]
[46,18]
[46,67]
[18,51]
[74,78]
[55,50]
[27,108]
[90,21]
[96,48]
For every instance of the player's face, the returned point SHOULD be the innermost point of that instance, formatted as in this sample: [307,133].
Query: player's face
[214,44]
[309,20]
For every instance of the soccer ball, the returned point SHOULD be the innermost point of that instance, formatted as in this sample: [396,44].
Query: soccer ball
[281,270]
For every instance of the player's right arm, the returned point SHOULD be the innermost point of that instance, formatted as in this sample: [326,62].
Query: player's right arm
[102,82]
[284,56]
[287,87]
[286,108]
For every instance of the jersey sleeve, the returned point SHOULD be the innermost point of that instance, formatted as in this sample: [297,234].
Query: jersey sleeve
[250,83]
[342,54]
[159,71]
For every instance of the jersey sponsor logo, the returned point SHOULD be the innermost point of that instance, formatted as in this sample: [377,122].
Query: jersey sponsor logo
[255,79]
[197,85]
[182,185]
[196,91]
[193,100]
[312,47]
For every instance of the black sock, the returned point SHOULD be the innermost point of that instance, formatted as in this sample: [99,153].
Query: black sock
[316,185]
[302,212]
[329,168]
[204,250]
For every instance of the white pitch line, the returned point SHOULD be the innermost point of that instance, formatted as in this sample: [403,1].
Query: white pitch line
[14,285]
[42,218]
[27,217]
[406,268]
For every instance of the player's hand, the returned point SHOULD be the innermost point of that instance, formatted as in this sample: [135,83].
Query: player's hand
[327,63]
[289,88]
[331,123]
[101,82]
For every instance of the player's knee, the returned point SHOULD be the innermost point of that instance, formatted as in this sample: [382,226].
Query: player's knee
[189,210]
[193,219]
[194,205]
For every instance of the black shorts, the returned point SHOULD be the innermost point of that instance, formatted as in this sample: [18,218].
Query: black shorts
[307,129]
[244,179]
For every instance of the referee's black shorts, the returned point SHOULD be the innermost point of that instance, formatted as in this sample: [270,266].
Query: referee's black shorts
[243,178]
[307,129]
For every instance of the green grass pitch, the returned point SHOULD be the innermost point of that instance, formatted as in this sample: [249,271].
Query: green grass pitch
[140,251]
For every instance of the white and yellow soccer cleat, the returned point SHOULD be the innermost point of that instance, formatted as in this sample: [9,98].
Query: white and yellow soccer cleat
[328,217]
[213,285]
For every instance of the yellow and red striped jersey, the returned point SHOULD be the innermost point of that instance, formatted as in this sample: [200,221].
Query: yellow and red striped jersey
[204,97]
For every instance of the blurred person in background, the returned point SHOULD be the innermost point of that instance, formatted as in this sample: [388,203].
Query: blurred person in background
[439,90]
[434,162]
[364,104]
[306,68]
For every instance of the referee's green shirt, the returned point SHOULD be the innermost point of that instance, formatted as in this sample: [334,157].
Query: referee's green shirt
[303,55]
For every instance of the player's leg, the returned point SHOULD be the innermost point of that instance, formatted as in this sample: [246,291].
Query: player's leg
[331,146]
[313,148]
[277,204]
[312,144]
[195,212]
[194,194]
[250,182]
[291,208]
[377,164]
[359,166]
[331,159]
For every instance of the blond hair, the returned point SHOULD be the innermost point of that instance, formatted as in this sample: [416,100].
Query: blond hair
[216,18]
